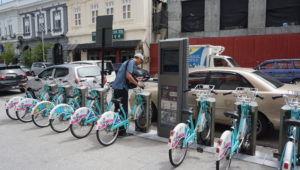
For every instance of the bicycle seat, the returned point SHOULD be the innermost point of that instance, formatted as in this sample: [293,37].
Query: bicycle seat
[117,101]
[71,96]
[91,98]
[36,89]
[233,115]
[187,111]
[292,122]
[53,93]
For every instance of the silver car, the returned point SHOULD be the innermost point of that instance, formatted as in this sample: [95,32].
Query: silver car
[38,67]
[70,72]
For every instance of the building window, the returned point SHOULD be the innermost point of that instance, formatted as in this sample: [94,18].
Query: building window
[126,9]
[282,13]
[94,8]
[234,14]
[109,8]
[192,16]
[57,20]
[77,17]
[41,23]
[26,26]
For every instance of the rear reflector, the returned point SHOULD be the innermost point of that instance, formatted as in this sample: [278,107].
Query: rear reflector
[220,142]
[169,140]
[217,150]
[286,165]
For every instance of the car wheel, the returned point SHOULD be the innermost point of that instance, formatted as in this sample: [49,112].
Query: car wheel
[296,81]
[262,126]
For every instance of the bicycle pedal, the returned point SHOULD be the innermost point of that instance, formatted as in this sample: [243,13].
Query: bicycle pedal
[199,149]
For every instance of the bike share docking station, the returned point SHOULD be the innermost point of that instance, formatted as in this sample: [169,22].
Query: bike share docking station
[173,86]
[143,123]
[249,147]
[285,113]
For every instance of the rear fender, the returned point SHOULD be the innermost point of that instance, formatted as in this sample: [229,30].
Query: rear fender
[25,103]
[106,119]
[224,143]
[59,109]
[41,106]
[12,102]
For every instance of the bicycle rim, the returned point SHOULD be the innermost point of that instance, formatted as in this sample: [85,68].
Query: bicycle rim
[24,115]
[40,119]
[107,137]
[177,154]
[11,113]
[58,124]
[79,130]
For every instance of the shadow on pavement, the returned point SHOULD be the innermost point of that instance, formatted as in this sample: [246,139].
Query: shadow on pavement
[10,93]
[9,122]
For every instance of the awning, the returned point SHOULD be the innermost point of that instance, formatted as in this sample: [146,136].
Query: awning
[71,47]
[115,44]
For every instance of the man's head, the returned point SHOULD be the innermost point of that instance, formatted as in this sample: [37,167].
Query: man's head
[139,58]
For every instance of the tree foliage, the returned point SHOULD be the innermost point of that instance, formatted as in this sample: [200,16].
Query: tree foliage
[36,54]
[8,54]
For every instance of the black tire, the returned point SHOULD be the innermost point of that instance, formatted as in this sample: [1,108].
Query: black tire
[179,147]
[101,140]
[11,113]
[24,115]
[59,129]
[262,126]
[225,162]
[36,119]
[74,128]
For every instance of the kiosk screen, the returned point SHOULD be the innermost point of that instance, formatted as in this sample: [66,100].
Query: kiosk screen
[170,61]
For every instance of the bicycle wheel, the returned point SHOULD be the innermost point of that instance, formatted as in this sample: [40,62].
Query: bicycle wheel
[59,124]
[11,113]
[205,134]
[24,115]
[177,154]
[141,122]
[107,137]
[79,130]
[60,116]
[225,162]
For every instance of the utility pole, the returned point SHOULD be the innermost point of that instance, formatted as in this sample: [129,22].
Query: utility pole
[42,28]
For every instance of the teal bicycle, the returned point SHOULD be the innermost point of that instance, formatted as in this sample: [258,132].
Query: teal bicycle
[107,127]
[185,134]
[41,111]
[232,141]
[83,119]
[289,158]
[61,114]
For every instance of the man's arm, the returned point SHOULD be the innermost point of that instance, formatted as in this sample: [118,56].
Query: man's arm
[130,78]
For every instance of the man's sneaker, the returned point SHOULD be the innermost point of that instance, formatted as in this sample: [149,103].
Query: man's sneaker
[121,135]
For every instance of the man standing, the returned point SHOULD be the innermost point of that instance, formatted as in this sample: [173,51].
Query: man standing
[120,85]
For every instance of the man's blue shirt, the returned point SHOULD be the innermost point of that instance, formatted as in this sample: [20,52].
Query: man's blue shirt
[120,81]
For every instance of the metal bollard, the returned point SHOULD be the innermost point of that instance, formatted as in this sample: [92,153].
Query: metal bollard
[84,93]
[285,113]
[143,124]
[102,95]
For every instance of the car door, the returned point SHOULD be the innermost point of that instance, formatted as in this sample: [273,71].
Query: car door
[61,73]
[283,71]
[39,80]
[225,82]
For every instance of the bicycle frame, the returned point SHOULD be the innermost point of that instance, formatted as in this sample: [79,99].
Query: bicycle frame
[123,120]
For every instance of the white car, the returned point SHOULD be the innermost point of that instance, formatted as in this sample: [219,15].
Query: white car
[108,67]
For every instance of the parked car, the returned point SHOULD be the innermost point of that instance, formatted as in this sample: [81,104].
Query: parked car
[12,77]
[227,79]
[38,67]
[71,72]
[284,70]
[108,67]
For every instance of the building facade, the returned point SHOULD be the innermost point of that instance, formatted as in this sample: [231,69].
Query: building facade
[37,21]
[132,28]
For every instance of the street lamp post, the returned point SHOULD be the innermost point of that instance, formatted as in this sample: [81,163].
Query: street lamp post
[42,28]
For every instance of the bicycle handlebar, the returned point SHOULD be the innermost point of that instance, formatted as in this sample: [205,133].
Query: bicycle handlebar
[277,97]
[259,96]
[227,93]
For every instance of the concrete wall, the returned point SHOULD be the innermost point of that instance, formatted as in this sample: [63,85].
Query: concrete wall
[256,21]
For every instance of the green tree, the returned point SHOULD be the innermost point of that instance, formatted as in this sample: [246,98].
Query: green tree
[8,54]
[37,51]
[26,58]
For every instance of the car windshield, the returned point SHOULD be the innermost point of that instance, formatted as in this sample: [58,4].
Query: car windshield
[268,79]
[88,71]
[232,61]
